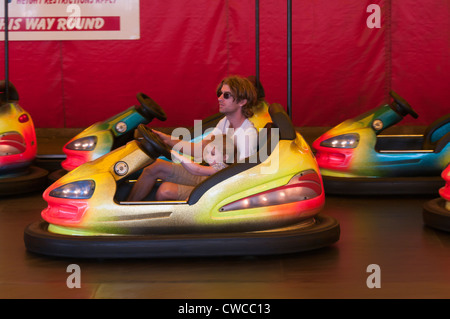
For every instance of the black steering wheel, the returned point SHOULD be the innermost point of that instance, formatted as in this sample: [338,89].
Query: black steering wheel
[151,144]
[149,109]
[401,106]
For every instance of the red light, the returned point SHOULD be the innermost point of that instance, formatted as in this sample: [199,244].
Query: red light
[332,160]
[63,212]
[336,158]
[23,118]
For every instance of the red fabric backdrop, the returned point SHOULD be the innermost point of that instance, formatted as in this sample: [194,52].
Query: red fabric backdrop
[340,66]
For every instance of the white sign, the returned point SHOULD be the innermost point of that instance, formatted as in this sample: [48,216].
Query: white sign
[71,20]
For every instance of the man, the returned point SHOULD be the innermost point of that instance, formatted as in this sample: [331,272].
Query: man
[236,98]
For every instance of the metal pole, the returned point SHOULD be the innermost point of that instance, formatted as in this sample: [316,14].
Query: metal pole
[6,53]
[289,58]
[257,42]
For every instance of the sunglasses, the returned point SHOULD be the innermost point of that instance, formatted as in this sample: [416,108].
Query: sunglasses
[226,95]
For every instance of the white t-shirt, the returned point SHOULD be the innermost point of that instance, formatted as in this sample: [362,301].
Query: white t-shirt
[246,136]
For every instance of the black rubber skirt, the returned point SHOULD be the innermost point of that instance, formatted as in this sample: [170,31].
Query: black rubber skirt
[50,162]
[436,215]
[428,185]
[33,180]
[323,232]
[55,175]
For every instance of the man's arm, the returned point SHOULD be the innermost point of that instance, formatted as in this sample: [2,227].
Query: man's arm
[186,147]
[191,167]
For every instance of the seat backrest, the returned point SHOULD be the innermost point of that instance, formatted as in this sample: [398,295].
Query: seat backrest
[282,120]
[265,136]
[442,143]
[281,128]
[435,132]
[12,92]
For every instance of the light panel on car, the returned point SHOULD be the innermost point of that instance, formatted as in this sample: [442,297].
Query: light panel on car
[83,144]
[303,186]
[23,118]
[350,140]
[75,190]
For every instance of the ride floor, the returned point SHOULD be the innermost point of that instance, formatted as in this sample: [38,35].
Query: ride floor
[388,231]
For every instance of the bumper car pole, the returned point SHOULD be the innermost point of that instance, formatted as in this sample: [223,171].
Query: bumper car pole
[36,178]
[6,52]
[257,41]
[289,58]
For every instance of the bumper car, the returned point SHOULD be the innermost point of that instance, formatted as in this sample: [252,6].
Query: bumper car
[354,158]
[18,147]
[436,213]
[103,137]
[258,207]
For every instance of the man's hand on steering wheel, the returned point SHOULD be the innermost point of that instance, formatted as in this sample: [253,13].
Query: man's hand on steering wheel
[151,143]
[164,137]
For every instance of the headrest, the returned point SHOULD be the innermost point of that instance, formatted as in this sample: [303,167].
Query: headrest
[257,84]
[435,131]
[442,143]
[282,120]
[12,92]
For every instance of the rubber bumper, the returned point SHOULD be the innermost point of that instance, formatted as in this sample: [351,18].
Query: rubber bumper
[323,232]
[428,185]
[55,175]
[435,214]
[50,162]
[33,180]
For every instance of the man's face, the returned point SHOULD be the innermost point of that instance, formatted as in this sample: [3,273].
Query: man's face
[227,102]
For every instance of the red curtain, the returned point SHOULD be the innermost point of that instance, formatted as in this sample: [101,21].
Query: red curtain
[340,66]
[420,64]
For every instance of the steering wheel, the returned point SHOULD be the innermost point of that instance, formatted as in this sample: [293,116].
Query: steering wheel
[151,143]
[149,109]
[401,106]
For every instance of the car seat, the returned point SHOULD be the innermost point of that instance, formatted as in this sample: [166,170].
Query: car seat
[437,134]
[280,120]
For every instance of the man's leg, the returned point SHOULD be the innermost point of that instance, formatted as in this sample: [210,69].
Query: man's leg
[159,169]
[167,191]
[173,191]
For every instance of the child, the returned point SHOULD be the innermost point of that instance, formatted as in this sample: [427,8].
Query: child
[219,152]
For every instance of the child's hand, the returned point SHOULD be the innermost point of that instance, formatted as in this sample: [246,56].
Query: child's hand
[177,157]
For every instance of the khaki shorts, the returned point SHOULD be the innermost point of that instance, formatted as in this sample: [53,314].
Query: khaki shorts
[185,181]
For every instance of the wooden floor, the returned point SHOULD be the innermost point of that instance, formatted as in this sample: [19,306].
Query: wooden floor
[414,261]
